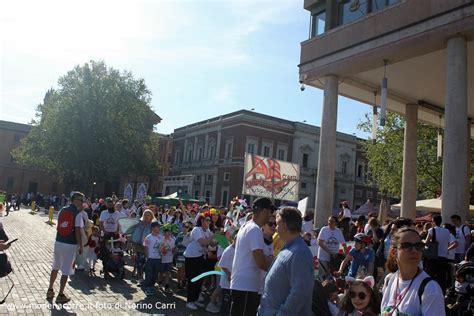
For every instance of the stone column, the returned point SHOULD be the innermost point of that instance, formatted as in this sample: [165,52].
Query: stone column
[218,146]
[206,146]
[409,189]
[327,153]
[455,153]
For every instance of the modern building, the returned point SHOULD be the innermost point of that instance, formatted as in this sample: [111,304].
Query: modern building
[425,51]
[16,178]
[208,156]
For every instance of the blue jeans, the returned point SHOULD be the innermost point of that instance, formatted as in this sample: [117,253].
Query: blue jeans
[152,267]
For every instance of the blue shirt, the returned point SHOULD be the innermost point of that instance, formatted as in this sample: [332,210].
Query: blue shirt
[360,259]
[288,288]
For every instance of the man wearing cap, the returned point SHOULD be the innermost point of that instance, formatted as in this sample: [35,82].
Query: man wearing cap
[68,237]
[249,260]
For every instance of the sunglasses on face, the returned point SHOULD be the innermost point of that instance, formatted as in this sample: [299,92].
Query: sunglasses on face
[186,227]
[361,295]
[408,246]
[271,224]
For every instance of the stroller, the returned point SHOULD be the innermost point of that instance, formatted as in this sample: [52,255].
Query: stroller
[464,302]
[111,255]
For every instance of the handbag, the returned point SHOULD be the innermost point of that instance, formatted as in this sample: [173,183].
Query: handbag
[431,249]
[5,265]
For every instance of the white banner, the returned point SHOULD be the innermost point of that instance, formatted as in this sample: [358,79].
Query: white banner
[302,206]
[128,191]
[142,189]
[270,178]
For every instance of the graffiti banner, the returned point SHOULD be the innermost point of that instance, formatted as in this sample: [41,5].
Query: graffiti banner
[270,178]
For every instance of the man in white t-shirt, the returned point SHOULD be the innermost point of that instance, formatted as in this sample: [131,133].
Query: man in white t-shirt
[330,239]
[108,220]
[463,237]
[249,261]
[439,268]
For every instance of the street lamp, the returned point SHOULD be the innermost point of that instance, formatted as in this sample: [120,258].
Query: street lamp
[93,188]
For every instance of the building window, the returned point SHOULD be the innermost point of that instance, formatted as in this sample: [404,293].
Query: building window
[344,167]
[251,148]
[209,178]
[305,160]
[190,155]
[198,178]
[12,159]
[358,193]
[303,185]
[9,183]
[208,196]
[176,157]
[282,154]
[350,10]
[226,176]
[196,194]
[225,195]
[370,194]
[318,23]
[200,152]
[360,171]
[378,5]
[267,149]
[211,151]
[228,149]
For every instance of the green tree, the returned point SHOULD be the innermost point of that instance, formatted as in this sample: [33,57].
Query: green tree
[96,126]
[385,157]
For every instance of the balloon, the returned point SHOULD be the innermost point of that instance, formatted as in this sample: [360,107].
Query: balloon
[205,274]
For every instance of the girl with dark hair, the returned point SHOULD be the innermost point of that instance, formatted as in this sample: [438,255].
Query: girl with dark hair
[360,299]
[178,219]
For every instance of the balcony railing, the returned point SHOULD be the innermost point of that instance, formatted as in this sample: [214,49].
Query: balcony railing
[209,163]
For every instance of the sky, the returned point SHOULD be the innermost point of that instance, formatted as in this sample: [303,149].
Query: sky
[199,58]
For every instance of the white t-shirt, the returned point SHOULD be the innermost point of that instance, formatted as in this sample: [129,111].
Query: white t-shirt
[333,239]
[432,300]
[314,247]
[461,233]
[153,243]
[226,262]
[442,237]
[307,227]
[347,213]
[110,220]
[170,244]
[194,249]
[246,275]
[95,206]
[452,252]
[267,251]
[125,212]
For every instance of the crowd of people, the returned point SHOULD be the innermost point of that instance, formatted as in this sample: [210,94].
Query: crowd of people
[270,261]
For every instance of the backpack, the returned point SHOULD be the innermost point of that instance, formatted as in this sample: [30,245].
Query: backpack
[66,221]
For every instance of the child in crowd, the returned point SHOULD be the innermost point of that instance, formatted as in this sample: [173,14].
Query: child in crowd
[331,293]
[182,241]
[153,258]
[225,263]
[93,249]
[167,249]
[360,299]
[462,290]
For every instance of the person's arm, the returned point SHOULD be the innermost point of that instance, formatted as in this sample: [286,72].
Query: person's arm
[467,239]
[79,224]
[344,263]
[453,245]
[428,236]
[3,245]
[344,247]
[301,284]
[262,262]
[322,245]
[227,271]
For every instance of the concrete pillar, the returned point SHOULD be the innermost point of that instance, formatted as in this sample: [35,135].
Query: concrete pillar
[455,153]
[409,189]
[327,153]
[206,146]
[218,146]
[467,215]
[195,149]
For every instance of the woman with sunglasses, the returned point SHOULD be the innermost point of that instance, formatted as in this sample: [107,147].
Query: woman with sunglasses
[268,229]
[410,290]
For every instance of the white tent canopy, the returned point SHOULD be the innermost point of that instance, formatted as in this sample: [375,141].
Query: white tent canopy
[430,205]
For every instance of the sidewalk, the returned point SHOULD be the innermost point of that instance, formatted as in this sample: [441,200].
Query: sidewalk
[31,257]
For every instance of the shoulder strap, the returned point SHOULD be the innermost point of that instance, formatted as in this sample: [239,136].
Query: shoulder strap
[421,289]
[434,235]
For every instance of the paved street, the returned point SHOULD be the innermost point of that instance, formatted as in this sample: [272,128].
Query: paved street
[31,258]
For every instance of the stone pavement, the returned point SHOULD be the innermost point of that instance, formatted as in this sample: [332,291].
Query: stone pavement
[31,257]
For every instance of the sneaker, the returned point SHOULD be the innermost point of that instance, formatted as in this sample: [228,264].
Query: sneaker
[62,299]
[212,308]
[199,304]
[191,306]
[50,294]
[201,298]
